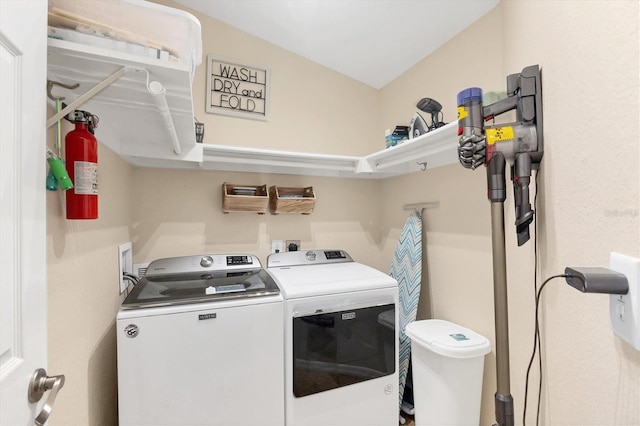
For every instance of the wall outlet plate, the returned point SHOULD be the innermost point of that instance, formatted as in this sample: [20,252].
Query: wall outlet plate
[125,264]
[624,309]
[277,246]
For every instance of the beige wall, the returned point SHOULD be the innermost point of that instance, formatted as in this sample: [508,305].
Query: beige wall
[192,222]
[457,281]
[589,191]
[82,270]
[460,63]
[312,108]
[589,198]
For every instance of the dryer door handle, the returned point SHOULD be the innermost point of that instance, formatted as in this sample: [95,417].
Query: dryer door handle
[332,309]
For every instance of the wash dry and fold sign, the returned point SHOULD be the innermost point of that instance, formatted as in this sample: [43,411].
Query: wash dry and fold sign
[236,89]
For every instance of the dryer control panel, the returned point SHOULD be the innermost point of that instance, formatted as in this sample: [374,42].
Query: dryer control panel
[309,257]
[335,254]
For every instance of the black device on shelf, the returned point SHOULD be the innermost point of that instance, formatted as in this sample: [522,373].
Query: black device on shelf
[433,107]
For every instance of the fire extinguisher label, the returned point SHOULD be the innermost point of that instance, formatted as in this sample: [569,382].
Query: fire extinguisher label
[86,178]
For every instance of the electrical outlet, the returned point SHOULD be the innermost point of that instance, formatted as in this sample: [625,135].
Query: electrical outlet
[624,309]
[125,264]
[292,245]
[277,246]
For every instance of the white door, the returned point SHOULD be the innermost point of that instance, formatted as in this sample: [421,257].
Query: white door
[23,262]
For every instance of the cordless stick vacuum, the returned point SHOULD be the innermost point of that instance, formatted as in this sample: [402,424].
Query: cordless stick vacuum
[519,144]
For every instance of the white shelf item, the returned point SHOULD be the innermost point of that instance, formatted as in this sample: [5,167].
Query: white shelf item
[434,149]
[144,103]
[142,28]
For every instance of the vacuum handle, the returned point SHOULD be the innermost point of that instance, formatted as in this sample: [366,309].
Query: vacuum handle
[521,180]
[496,186]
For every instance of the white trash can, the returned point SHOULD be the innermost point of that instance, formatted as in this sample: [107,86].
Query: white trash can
[447,362]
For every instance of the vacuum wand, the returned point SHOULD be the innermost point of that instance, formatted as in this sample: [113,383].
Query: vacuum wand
[497,193]
[520,145]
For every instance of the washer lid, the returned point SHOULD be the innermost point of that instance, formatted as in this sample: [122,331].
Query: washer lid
[447,339]
[164,290]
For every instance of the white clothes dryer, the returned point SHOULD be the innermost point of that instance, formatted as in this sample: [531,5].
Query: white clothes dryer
[341,352]
[200,341]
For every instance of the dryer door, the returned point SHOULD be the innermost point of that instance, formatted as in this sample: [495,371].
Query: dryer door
[336,349]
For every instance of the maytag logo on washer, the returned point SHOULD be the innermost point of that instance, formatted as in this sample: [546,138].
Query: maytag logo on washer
[206,316]
[348,316]
[131,330]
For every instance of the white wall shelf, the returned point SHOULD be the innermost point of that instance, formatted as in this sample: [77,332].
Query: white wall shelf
[143,100]
[434,149]
[131,123]
[241,159]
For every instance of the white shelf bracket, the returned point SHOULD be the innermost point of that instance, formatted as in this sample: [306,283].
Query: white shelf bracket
[158,92]
[364,166]
[87,95]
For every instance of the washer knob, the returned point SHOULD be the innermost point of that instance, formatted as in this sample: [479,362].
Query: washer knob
[206,261]
[310,255]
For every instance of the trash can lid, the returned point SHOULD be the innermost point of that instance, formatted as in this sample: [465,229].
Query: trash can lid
[447,339]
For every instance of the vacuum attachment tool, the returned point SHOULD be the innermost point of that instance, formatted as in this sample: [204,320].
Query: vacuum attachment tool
[597,280]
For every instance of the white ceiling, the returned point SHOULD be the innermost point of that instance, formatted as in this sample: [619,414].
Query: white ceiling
[372,41]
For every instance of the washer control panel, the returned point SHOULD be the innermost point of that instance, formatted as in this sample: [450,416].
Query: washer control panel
[203,263]
[239,260]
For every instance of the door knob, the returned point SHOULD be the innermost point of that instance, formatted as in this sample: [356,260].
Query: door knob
[38,385]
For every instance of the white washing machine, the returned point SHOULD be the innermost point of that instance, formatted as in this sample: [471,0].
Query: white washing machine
[341,352]
[200,342]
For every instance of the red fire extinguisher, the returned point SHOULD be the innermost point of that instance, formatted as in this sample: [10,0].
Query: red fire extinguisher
[81,149]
